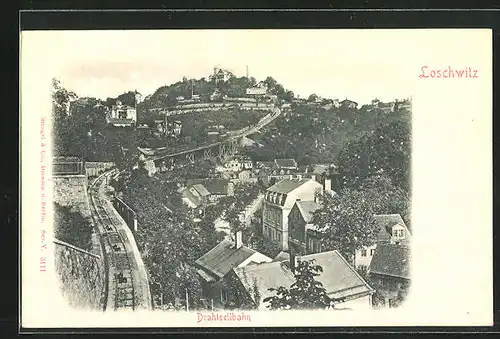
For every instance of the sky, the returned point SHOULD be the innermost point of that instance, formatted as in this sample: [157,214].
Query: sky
[357,64]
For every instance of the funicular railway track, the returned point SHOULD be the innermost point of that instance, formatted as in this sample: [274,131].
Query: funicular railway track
[120,269]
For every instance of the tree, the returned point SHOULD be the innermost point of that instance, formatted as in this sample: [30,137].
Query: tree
[346,222]
[312,98]
[383,151]
[385,197]
[305,293]
[289,95]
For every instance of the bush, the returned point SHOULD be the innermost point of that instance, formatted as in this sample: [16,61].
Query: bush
[72,227]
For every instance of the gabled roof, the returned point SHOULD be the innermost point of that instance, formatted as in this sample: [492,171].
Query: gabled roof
[286,163]
[194,199]
[307,208]
[338,277]
[215,186]
[391,260]
[261,277]
[347,101]
[224,257]
[201,190]
[385,223]
[286,186]
[282,256]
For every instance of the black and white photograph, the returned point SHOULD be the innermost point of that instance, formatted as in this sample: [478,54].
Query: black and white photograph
[222,174]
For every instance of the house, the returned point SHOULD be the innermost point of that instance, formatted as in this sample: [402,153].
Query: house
[278,202]
[392,230]
[220,75]
[122,115]
[346,103]
[346,288]
[216,95]
[303,237]
[238,163]
[195,97]
[215,265]
[288,164]
[176,127]
[180,98]
[199,192]
[258,90]
[390,274]
[403,105]
[323,172]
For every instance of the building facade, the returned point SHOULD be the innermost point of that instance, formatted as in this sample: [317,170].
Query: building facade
[278,202]
[122,115]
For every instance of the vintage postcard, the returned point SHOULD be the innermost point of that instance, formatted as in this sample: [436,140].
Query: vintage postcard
[256,178]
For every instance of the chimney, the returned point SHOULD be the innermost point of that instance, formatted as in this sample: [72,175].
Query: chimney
[328,185]
[238,241]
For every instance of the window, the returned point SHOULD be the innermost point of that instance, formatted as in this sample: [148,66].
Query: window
[223,296]
[371,252]
[401,233]
[395,233]
[363,252]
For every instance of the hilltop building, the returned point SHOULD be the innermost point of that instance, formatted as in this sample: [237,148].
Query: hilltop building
[122,115]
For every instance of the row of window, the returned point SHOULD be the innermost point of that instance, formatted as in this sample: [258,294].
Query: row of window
[273,234]
[272,216]
[364,252]
[398,233]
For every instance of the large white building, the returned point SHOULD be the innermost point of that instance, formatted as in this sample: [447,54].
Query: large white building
[122,115]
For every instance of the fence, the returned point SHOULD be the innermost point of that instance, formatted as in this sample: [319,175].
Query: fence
[67,168]
[126,213]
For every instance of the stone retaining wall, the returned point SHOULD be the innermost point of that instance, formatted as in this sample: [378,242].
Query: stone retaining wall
[82,276]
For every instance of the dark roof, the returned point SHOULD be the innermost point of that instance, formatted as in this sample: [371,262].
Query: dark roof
[307,208]
[286,163]
[338,277]
[287,185]
[215,186]
[223,258]
[385,223]
[392,260]
[347,101]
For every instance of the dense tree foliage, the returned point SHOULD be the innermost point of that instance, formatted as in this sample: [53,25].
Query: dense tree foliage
[313,133]
[72,227]
[346,222]
[386,150]
[305,293]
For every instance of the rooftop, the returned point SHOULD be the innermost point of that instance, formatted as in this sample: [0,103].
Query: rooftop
[285,186]
[307,209]
[386,222]
[392,260]
[215,186]
[223,258]
[286,163]
[338,278]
